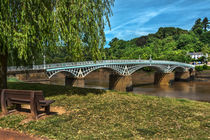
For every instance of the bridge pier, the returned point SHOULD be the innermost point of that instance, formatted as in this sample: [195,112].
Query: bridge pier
[184,76]
[120,83]
[74,82]
[163,78]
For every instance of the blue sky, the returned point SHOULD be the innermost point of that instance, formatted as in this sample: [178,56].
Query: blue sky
[134,18]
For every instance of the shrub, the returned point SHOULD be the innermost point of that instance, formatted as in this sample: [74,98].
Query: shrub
[205,67]
[199,68]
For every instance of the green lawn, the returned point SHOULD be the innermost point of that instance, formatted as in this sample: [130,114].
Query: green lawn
[98,114]
[12,79]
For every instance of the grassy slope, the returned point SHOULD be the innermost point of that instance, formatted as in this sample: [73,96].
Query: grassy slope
[111,115]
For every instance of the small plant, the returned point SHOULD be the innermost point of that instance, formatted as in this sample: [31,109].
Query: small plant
[199,68]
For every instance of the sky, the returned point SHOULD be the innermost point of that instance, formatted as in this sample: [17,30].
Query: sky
[135,18]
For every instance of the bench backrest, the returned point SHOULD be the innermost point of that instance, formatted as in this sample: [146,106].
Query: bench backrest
[22,94]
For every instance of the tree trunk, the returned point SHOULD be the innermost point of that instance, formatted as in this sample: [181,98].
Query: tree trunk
[3,70]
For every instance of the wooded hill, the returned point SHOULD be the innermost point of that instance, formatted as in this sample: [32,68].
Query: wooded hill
[167,43]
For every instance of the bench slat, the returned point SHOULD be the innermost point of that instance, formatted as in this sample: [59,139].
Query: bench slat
[22,101]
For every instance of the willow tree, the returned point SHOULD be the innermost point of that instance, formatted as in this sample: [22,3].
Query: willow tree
[29,27]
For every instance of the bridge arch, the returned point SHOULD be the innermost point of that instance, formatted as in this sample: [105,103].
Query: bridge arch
[179,69]
[61,71]
[83,72]
[156,68]
[116,70]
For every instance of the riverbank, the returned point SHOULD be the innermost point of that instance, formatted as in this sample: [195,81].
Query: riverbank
[202,75]
[99,114]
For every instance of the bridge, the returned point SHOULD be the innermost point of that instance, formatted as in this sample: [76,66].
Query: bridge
[122,70]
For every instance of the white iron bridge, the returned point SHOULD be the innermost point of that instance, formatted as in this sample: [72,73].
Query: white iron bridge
[122,67]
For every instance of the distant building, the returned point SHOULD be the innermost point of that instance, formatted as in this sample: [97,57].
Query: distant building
[197,55]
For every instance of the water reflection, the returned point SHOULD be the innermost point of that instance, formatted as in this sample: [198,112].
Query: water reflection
[190,90]
[143,84]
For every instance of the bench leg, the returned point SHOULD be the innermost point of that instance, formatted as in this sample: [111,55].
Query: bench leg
[4,107]
[47,109]
[34,111]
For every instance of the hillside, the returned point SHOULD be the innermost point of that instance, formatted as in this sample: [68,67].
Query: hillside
[167,43]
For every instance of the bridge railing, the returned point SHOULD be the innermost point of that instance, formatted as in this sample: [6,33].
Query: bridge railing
[69,64]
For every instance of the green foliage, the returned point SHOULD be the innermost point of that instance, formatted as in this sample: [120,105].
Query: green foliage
[30,28]
[205,67]
[198,27]
[169,31]
[205,37]
[114,116]
[205,24]
[199,68]
[186,42]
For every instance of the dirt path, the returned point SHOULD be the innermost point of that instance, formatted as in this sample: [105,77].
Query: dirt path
[13,135]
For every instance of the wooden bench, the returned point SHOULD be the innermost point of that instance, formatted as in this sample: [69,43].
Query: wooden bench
[17,97]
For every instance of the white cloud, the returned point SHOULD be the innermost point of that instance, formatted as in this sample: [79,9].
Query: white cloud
[130,25]
[138,20]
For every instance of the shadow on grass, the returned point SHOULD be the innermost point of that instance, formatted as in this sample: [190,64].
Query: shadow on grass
[182,100]
[52,90]
[146,132]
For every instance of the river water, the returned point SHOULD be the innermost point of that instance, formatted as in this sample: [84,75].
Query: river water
[193,90]
[143,84]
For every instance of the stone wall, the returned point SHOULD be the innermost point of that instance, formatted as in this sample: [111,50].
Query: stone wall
[202,75]
[29,75]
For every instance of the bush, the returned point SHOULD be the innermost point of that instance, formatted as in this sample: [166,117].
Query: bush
[199,68]
[205,67]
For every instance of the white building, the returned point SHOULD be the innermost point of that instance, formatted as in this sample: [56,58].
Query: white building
[197,55]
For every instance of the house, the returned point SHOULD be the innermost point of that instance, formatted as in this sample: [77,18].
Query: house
[197,55]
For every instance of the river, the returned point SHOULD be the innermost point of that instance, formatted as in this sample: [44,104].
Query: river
[143,84]
[199,91]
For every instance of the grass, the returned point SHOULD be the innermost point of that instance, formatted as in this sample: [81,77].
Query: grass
[201,68]
[12,79]
[99,114]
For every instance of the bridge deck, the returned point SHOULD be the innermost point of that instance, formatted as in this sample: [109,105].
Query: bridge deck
[72,65]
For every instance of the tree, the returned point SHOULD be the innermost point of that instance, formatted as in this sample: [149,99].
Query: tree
[141,41]
[198,27]
[31,27]
[205,37]
[205,24]
[169,31]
